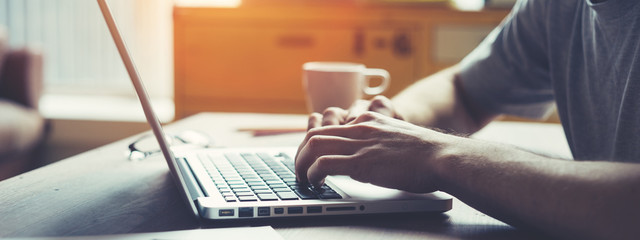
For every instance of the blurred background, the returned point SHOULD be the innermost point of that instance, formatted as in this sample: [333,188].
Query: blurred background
[218,55]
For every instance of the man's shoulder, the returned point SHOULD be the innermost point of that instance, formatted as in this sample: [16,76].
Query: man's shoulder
[549,6]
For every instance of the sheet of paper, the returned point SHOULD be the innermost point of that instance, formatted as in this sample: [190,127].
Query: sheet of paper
[262,233]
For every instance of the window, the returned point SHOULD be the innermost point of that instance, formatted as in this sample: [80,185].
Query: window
[80,56]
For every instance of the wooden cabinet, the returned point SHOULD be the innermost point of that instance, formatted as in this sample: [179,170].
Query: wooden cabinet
[250,58]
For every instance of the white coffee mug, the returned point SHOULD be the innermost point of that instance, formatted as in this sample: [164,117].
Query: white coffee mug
[340,84]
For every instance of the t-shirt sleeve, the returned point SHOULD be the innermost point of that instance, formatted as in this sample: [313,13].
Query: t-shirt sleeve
[508,73]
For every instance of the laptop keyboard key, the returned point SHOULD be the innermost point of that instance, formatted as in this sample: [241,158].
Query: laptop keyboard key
[257,184]
[306,194]
[239,194]
[247,198]
[251,178]
[286,174]
[261,177]
[272,182]
[289,179]
[268,197]
[237,184]
[256,188]
[262,191]
[242,188]
[287,195]
[282,189]
[330,195]
[270,178]
[280,185]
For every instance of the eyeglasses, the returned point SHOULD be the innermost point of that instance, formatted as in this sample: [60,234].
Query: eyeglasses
[147,145]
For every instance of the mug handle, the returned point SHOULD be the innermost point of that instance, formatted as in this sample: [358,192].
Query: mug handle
[372,73]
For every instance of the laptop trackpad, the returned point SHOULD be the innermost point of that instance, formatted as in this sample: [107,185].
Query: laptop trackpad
[366,191]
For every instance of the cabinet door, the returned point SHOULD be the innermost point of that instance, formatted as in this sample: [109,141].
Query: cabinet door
[256,66]
[391,47]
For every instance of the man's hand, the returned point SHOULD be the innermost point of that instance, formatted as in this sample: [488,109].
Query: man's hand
[371,148]
[338,116]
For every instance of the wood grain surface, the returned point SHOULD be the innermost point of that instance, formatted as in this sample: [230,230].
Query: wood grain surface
[102,192]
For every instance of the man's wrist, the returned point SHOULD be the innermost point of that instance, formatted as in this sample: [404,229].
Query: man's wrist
[446,160]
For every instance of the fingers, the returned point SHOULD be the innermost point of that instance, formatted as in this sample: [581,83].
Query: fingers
[382,105]
[329,165]
[328,135]
[315,120]
[366,117]
[379,104]
[351,131]
[321,146]
[334,116]
[358,108]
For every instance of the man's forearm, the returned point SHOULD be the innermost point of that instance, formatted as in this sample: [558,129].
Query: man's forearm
[438,102]
[563,198]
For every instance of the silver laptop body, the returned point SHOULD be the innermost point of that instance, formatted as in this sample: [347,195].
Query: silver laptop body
[259,182]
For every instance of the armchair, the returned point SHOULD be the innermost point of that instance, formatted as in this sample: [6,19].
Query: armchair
[22,128]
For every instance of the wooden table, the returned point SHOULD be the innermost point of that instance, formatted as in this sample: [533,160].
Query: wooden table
[102,192]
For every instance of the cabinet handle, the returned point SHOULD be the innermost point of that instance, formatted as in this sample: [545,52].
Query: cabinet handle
[295,41]
[402,45]
[358,43]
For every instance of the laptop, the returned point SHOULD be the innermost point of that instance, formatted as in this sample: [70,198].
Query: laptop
[245,183]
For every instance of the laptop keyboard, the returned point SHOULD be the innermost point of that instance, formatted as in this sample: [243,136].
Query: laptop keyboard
[249,177]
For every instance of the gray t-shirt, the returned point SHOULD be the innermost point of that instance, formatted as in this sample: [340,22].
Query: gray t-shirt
[583,56]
